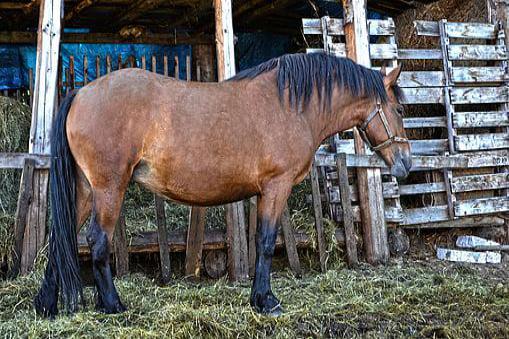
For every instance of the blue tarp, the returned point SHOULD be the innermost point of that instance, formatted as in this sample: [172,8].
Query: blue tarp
[16,60]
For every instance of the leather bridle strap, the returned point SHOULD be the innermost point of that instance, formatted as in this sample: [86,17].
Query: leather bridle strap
[391,138]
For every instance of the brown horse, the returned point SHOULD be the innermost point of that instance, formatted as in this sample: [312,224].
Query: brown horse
[203,144]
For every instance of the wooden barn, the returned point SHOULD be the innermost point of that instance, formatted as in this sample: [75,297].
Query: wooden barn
[455,85]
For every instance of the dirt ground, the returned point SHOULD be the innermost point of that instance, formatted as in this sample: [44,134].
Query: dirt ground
[407,298]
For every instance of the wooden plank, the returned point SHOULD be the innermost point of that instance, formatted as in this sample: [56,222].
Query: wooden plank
[429,95]
[478,95]
[477,74]
[476,221]
[419,147]
[346,205]
[376,27]
[471,142]
[25,196]
[383,51]
[480,182]
[85,69]
[477,52]
[162,240]
[419,54]
[253,224]
[481,206]
[390,190]
[45,97]
[425,215]
[195,236]
[235,220]
[470,30]
[414,189]
[290,245]
[317,207]
[421,79]
[369,180]
[480,119]
[120,251]
[425,122]
[17,160]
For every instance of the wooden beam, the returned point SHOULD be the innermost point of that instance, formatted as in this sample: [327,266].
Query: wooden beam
[78,8]
[45,93]
[369,180]
[16,37]
[235,219]
[135,10]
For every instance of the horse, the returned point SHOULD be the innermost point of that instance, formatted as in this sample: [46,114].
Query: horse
[203,144]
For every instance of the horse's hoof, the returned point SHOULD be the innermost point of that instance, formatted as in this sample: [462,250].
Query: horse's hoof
[275,312]
[268,306]
[117,307]
[45,306]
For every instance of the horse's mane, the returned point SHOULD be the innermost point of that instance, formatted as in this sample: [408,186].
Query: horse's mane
[302,73]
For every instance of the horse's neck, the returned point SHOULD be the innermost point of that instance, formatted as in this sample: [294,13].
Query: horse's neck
[344,113]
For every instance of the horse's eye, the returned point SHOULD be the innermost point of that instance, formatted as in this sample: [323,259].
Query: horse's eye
[400,110]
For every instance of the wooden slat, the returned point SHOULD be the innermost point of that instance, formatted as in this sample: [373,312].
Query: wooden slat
[431,95]
[419,147]
[419,54]
[383,51]
[476,221]
[431,187]
[477,52]
[421,79]
[477,74]
[480,119]
[317,206]
[478,95]
[390,190]
[481,206]
[425,122]
[480,182]
[162,239]
[337,49]
[376,27]
[471,142]
[17,160]
[457,29]
[290,245]
[425,215]
[195,236]
[120,246]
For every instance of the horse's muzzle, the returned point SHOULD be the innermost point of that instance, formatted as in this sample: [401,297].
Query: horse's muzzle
[402,165]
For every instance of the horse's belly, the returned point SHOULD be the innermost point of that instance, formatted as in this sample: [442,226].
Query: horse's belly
[207,188]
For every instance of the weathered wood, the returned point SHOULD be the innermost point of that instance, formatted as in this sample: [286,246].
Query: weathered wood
[421,79]
[390,190]
[413,189]
[253,223]
[480,119]
[477,74]
[85,69]
[476,221]
[468,30]
[346,205]
[119,62]
[25,197]
[383,51]
[425,122]
[470,142]
[419,147]
[480,182]
[97,67]
[431,95]
[165,65]
[478,95]
[215,264]
[17,160]
[135,9]
[477,52]
[195,236]
[45,96]
[290,245]
[176,71]
[317,207]
[425,215]
[108,64]
[78,8]
[335,27]
[481,206]
[162,240]
[154,64]
[419,54]
[120,247]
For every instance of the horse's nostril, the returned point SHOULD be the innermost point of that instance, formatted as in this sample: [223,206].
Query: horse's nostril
[407,161]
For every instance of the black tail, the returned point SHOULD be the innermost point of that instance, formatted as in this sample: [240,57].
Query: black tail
[63,243]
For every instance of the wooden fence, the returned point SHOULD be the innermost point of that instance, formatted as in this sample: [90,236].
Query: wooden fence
[463,171]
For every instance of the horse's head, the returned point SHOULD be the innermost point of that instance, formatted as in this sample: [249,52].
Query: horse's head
[383,130]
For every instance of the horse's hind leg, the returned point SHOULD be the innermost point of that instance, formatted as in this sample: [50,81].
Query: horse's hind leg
[271,203]
[105,212]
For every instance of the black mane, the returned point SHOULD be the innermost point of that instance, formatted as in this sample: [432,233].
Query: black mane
[302,73]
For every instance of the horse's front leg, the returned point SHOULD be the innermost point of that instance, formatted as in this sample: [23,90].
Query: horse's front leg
[271,203]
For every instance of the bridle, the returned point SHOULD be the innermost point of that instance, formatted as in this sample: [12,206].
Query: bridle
[391,138]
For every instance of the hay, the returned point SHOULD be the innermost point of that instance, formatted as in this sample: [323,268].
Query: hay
[401,300]
[14,134]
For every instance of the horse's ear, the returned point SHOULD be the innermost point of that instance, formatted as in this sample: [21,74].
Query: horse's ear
[383,70]
[392,77]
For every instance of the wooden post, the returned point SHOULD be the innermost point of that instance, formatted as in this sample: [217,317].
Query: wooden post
[235,219]
[290,245]
[317,206]
[108,64]
[346,206]
[498,13]
[162,238]
[85,69]
[165,65]
[369,179]
[120,246]
[45,94]
[97,67]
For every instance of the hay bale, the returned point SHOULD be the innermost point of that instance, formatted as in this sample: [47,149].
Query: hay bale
[14,135]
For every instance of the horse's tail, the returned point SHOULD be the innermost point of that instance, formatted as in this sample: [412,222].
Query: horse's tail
[63,243]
